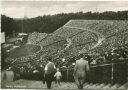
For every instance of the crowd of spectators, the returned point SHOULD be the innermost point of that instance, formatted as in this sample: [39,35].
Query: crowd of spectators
[30,64]
[105,27]
[111,49]
[35,37]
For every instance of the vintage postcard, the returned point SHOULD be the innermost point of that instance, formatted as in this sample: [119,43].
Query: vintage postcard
[64,45]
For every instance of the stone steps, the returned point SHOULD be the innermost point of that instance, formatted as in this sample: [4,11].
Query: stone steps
[97,86]
[67,85]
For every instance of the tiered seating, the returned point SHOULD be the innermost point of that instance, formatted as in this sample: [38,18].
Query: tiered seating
[51,39]
[84,37]
[35,37]
[112,30]
[105,27]
[54,44]
[66,32]
[110,43]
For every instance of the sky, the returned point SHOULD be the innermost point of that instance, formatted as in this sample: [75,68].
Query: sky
[30,9]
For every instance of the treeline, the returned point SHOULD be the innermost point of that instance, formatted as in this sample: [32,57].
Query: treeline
[49,23]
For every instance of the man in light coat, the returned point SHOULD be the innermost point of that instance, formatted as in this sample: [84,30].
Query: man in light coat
[80,71]
[49,72]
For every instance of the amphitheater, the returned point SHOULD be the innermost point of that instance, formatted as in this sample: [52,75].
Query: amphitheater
[91,37]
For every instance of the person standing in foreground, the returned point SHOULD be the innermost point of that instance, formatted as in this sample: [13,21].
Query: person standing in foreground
[49,71]
[80,71]
[58,76]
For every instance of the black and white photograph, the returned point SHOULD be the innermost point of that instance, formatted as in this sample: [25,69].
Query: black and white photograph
[64,45]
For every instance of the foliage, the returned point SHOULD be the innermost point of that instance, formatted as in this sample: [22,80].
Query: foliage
[50,23]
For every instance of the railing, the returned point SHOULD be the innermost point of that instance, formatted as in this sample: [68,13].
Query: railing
[105,73]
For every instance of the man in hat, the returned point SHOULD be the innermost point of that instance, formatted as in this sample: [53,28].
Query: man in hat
[49,72]
[80,71]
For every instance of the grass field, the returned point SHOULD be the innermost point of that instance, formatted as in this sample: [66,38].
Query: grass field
[24,50]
